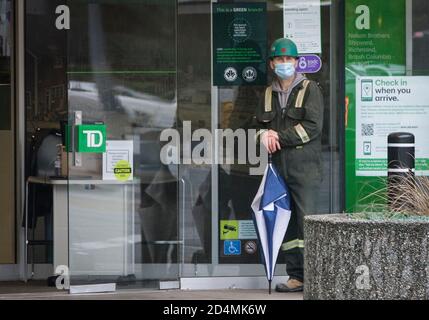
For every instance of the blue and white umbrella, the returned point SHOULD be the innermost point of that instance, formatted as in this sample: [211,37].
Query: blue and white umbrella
[271,207]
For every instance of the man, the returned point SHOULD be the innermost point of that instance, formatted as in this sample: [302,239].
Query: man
[290,118]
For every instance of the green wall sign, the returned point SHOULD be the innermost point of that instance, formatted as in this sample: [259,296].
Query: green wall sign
[375,46]
[91,138]
[239,44]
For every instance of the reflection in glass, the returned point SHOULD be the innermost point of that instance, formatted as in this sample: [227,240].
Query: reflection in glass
[122,73]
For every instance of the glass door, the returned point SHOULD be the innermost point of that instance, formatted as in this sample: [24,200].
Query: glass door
[121,88]
[218,197]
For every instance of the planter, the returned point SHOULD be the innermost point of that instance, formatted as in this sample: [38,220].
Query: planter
[365,259]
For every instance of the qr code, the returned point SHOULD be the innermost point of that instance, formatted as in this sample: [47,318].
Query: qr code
[367,129]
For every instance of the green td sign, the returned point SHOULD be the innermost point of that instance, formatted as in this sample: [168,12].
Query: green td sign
[91,138]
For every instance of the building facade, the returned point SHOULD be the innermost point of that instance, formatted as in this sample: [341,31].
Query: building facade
[133,69]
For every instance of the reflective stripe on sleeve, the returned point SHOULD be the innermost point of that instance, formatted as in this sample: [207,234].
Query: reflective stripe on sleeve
[302,133]
[259,133]
[268,98]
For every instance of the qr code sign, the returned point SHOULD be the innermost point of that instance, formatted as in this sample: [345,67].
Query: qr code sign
[367,129]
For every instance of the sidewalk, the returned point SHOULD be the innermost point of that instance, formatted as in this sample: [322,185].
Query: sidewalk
[235,294]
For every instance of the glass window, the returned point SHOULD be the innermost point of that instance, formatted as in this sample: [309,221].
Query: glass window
[45,70]
[124,68]
[121,72]
[223,193]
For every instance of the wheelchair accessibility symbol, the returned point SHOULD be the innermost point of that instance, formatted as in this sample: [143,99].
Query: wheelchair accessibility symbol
[232,247]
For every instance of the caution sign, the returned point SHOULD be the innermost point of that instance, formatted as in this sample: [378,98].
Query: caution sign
[122,170]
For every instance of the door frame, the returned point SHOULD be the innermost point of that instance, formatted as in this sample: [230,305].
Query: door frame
[10,272]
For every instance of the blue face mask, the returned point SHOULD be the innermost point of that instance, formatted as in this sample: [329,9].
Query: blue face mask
[284,70]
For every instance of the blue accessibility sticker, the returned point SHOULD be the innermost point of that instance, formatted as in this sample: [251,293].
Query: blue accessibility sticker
[232,247]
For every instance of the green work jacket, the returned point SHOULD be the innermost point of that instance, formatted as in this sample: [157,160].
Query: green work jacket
[299,126]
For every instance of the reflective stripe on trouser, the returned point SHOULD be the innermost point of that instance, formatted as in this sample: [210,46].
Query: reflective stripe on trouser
[297,243]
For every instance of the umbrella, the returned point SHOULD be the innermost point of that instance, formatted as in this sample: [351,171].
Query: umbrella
[271,207]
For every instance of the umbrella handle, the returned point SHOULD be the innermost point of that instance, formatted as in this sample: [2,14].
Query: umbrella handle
[270,158]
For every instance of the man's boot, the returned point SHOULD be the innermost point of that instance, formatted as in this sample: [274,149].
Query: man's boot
[292,285]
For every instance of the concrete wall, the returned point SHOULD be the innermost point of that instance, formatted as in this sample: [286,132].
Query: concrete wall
[362,259]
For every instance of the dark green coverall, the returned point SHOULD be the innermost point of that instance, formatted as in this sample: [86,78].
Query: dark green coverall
[299,161]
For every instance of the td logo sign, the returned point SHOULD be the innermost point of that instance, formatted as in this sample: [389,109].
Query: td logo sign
[91,138]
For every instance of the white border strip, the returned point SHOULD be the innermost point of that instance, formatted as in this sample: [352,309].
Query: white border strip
[169,285]
[19,52]
[384,173]
[400,170]
[93,288]
[401,145]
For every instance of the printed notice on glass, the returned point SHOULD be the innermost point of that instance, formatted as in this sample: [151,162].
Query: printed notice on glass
[302,24]
[385,105]
[246,229]
[118,160]
[239,44]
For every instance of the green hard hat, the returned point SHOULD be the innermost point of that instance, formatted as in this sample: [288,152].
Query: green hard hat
[283,47]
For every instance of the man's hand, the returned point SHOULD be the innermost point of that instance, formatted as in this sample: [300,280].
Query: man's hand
[270,140]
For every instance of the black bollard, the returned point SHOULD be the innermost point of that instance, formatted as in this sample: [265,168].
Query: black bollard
[400,166]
